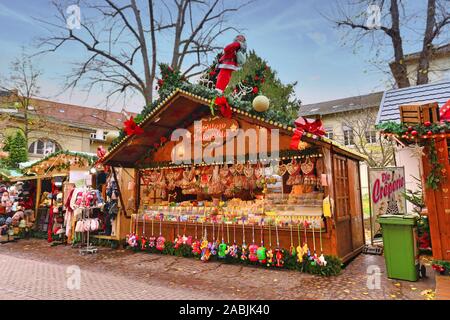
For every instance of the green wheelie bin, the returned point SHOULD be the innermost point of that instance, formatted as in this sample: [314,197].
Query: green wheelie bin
[400,246]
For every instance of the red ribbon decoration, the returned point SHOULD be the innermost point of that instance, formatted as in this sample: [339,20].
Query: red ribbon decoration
[225,108]
[304,125]
[444,111]
[132,128]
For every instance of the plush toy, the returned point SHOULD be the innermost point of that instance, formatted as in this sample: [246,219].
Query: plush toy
[299,254]
[196,248]
[152,242]
[206,250]
[5,198]
[269,255]
[279,258]
[222,250]
[244,252]
[143,243]
[233,57]
[252,249]
[132,240]
[178,242]
[160,243]
[261,254]
[233,251]
[321,260]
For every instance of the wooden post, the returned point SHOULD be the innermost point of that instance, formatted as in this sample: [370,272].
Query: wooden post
[124,208]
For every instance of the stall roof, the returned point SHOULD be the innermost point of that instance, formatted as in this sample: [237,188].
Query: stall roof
[179,110]
[392,99]
[59,160]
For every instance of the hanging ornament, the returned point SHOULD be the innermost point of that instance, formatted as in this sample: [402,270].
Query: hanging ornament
[205,247]
[233,250]
[196,244]
[244,245]
[143,238]
[278,253]
[299,247]
[292,248]
[152,239]
[213,245]
[269,252]
[305,243]
[222,247]
[261,103]
[321,259]
[253,247]
[160,242]
[261,252]
[314,257]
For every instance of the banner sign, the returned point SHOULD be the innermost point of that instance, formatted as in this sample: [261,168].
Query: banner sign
[386,186]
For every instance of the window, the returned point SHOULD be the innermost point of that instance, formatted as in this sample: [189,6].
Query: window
[371,136]
[43,147]
[329,132]
[348,137]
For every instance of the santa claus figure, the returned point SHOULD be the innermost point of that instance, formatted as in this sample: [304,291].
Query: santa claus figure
[444,112]
[232,59]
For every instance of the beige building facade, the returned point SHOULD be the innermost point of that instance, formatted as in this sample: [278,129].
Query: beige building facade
[54,126]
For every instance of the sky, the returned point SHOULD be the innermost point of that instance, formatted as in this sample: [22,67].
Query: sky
[292,35]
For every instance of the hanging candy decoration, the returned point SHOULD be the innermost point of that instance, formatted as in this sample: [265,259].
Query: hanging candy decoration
[222,247]
[299,247]
[270,252]
[321,260]
[152,239]
[205,247]
[253,247]
[261,252]
[305,244]
[292,248]
[314,257]
[196,244]
[213,244]
[244,245]
[160,242]
[178,240]
[233,250]
[278,253]
[143,238]
[132,239]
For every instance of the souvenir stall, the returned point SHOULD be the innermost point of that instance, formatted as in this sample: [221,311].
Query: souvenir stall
[270,190]
[16,209]
[56,176]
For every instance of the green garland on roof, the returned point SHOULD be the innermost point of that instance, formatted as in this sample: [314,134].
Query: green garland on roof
[172,80]
[90,159]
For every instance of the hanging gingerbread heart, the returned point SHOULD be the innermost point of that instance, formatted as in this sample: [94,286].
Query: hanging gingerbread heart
[259,171]
[232,170]
[248,170]
[239,168]
[282,169]
[224,171]
[292,167]
[307,166]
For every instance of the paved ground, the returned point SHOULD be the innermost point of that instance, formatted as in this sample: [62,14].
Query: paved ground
[31,269]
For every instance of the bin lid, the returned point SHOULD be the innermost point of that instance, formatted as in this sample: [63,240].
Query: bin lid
[397,219]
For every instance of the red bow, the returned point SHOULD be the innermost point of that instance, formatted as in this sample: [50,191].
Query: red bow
[225,108]
[132,128]
[444,111]
[304,125]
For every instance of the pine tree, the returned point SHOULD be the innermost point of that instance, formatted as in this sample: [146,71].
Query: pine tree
[282,96]
[17,149]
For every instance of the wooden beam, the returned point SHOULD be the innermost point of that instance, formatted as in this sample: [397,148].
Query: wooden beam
[120,192]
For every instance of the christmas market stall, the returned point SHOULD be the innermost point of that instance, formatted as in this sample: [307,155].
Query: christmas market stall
[237,183]
[55,178]
[425,127]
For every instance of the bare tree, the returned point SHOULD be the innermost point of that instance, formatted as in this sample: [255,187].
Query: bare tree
[22,84]
[393,22]
[21,87]
[123,39]
[360,123]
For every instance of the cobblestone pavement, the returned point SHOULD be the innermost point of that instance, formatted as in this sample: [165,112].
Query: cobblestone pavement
[33,269]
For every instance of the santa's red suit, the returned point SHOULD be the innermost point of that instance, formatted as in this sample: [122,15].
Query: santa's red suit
[228,62]
[444,112]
